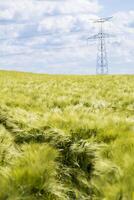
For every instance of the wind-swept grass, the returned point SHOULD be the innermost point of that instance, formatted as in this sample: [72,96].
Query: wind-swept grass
[66,137]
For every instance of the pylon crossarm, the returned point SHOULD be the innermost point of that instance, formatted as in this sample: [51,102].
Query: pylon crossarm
[102,20]
[101,35]
[93,37]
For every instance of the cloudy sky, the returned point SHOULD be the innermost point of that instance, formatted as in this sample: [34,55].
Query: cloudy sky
[50,36]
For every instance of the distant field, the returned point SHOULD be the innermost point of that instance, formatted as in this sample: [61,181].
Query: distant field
[66,137]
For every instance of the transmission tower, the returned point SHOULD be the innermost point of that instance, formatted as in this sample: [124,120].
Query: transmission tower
[102,61]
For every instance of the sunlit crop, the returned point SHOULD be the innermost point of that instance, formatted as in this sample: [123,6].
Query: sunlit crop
[66,137]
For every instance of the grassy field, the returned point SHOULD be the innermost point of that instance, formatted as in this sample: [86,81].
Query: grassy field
[66,137]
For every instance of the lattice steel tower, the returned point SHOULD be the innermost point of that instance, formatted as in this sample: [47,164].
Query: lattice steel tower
[102,61]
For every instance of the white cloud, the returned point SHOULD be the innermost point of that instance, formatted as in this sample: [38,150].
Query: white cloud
[122,47]
[67,23]
[31,9]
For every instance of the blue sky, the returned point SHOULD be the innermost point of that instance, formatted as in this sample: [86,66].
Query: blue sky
[50,36]
[112,6]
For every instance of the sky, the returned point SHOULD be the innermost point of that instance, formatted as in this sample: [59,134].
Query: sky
[51,36]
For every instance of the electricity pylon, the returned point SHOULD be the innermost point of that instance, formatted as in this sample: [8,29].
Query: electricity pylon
[102,61]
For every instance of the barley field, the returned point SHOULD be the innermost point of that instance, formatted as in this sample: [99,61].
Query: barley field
[66,137]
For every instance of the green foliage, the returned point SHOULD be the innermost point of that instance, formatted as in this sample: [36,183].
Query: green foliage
[66,137]
[33,174]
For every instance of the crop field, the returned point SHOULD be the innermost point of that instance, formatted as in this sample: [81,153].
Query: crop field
[66,137]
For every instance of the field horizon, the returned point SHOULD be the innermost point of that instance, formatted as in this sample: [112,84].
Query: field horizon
[64,74]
